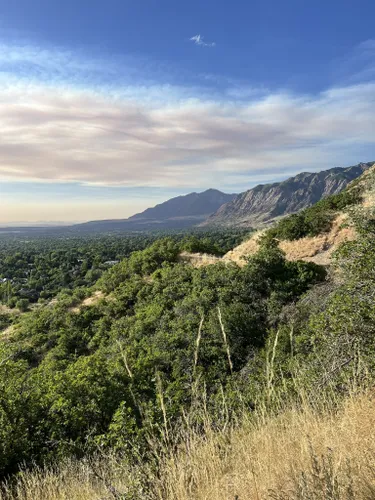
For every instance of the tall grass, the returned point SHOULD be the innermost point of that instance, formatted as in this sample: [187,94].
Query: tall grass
[301,453]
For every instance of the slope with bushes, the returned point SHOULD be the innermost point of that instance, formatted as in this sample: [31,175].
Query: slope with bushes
[73,378]
[316,232]
[183,382]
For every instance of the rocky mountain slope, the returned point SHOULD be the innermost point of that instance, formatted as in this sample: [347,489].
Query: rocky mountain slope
[266,202]
[314,248]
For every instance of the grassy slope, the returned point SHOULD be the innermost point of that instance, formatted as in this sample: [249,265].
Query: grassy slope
[300,454]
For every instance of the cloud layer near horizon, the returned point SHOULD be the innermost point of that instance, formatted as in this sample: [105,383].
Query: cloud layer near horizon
[59,135]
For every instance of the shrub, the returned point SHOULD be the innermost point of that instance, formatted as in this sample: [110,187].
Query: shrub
[314,220]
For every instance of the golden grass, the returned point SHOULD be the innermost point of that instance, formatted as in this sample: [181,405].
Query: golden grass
[72,480]
[319,249]
[300,454]
[89,301]
[256,459]
[316,249]
[199,259]
[247,248]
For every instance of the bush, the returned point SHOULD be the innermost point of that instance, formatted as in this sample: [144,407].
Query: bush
[314,220]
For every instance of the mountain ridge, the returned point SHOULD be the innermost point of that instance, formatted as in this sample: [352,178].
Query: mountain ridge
[176,213]
[267,202]
[190,205]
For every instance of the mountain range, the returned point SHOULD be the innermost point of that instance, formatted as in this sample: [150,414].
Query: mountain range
[257,206]
[264,203]
[212,208]
[176,213]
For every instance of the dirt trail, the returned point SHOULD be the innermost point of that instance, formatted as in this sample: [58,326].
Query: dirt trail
[316,249]
[89,301]
[199,259]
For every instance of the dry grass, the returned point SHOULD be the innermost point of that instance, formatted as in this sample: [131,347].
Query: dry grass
[316,249]
[89,301]
[272,456]
[369,196]
[319,249]
[247,248]
[6,334]
[73,480]
[7,310]
[199,259]
[300,454]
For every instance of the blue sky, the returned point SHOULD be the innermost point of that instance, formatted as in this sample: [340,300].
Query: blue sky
[109,107]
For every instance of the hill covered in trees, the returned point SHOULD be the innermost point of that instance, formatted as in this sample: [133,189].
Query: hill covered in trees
[170,364]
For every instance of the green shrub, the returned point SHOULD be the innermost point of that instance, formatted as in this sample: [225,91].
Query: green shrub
[314,220]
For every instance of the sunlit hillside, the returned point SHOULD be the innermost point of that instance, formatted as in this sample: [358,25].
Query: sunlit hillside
[172,379]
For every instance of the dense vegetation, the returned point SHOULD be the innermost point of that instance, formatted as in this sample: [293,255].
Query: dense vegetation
[37,269]
[317,219]
[166,345]
[75,378]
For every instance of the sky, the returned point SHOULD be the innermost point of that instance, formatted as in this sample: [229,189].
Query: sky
[109,107]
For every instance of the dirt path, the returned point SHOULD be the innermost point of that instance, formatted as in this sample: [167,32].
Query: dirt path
[89,301]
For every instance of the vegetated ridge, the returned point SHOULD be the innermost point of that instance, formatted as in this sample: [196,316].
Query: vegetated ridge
[264,203]
[313,234]
[164,381]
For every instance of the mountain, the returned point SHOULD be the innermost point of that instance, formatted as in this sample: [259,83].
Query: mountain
[191,205]
[264,203]
[176,213]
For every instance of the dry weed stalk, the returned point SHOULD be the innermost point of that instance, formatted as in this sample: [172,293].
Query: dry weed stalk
[269,367]
[225,339]
[159,386]
[125,359]
[197,344]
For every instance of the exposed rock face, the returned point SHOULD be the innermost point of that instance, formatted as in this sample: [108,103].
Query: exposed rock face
[267,202]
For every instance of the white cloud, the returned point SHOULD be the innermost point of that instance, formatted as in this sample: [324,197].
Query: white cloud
[59,135]
[198,40]
[367,45]
[168,136]
[358,65]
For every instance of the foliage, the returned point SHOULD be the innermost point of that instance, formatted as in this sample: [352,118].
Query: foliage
[314,220]
[39,268]
[75,376]
[119,370]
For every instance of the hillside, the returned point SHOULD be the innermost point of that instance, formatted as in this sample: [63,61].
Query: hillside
[266,202]
[313,234]
[170,381]
[176,213]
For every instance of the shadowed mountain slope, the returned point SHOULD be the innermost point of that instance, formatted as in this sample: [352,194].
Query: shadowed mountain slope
[264,203]
[180,212]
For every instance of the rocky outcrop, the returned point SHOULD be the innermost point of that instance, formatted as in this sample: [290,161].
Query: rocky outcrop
[264,203]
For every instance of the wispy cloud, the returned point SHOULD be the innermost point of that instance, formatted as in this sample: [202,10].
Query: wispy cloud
[177,137]
[359,64]
[61,136]
[199,40]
